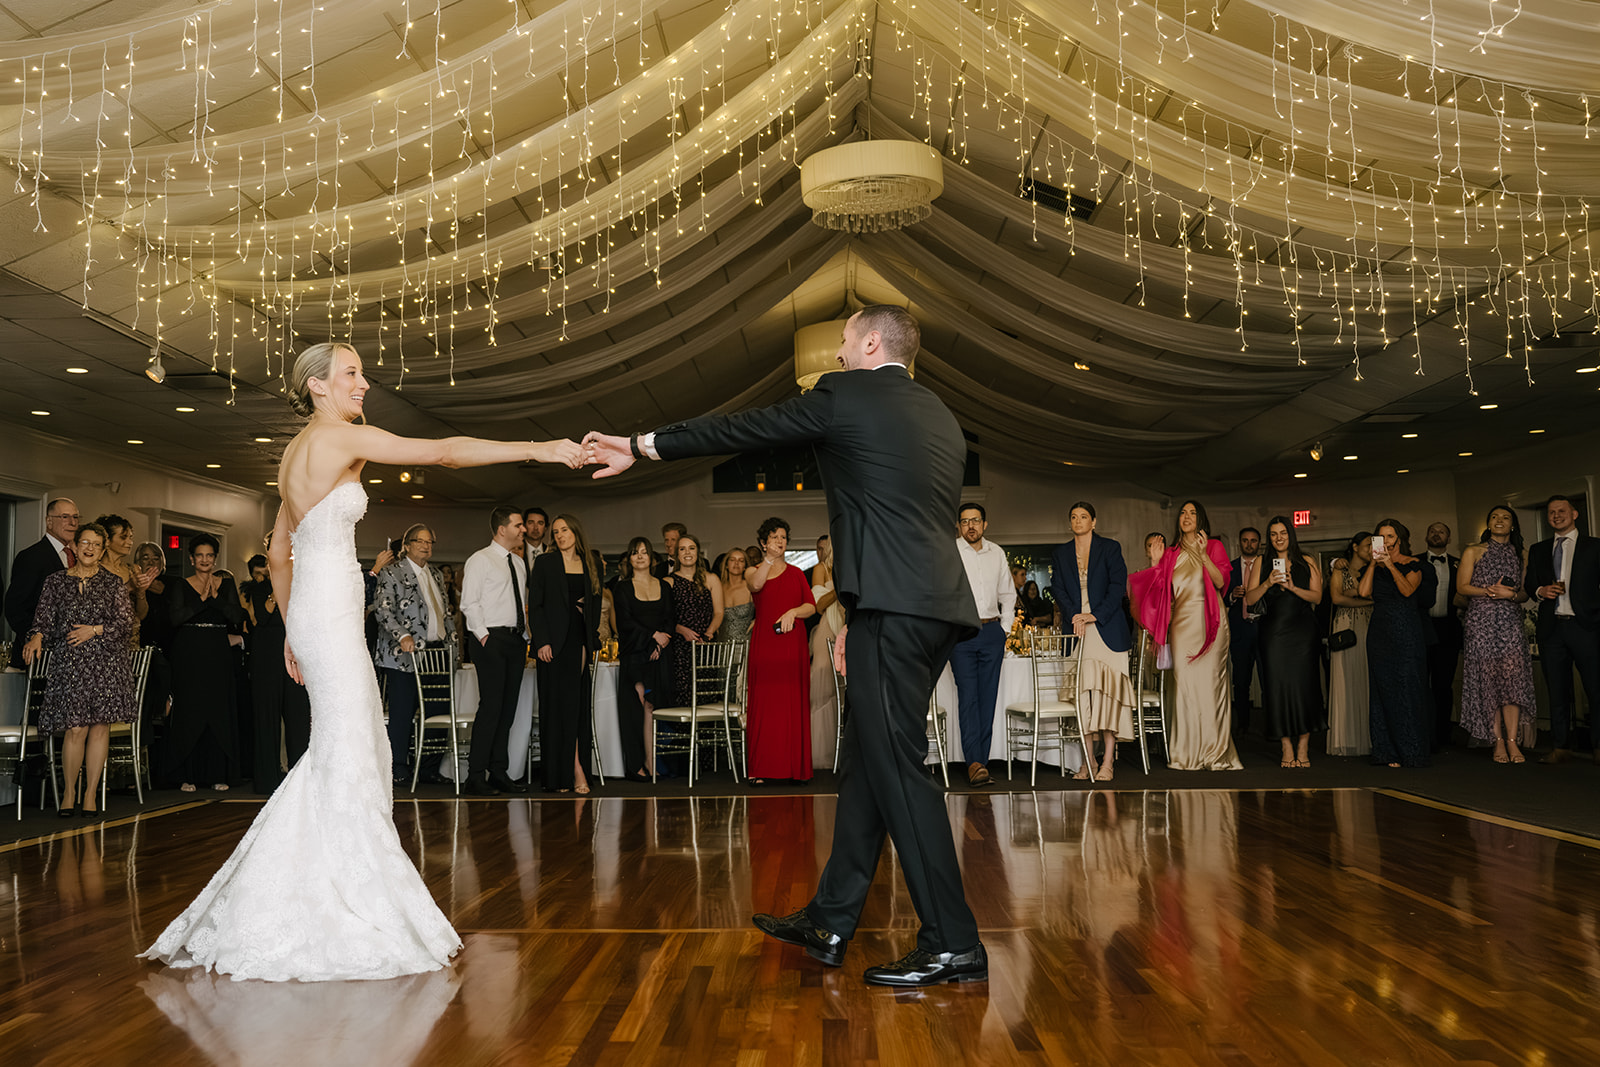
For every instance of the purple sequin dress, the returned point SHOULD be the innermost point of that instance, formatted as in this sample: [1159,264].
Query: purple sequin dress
[1497,669]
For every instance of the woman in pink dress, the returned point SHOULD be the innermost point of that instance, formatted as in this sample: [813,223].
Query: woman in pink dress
[778,708]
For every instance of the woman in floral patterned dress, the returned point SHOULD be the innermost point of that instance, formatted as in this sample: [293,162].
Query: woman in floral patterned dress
[1497,697]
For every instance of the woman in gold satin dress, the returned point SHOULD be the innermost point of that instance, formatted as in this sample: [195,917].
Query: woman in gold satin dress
[1180,602]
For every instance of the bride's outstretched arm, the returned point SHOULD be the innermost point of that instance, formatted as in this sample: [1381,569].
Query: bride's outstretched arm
[280,564]
[380,446]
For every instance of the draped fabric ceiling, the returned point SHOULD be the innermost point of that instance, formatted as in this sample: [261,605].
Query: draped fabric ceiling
[1294,220]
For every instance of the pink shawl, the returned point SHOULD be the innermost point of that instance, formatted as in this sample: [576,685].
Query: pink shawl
[1151,593]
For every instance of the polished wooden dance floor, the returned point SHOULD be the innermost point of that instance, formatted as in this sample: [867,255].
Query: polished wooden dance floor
[1184,927]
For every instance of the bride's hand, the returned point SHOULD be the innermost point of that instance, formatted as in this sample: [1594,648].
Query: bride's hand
[562,451]
[292,665]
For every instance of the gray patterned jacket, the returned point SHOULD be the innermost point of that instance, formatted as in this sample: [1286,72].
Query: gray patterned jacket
[401,609]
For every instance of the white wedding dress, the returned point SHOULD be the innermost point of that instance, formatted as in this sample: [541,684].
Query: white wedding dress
[320,889]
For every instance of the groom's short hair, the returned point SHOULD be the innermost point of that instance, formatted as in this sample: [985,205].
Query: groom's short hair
[897,328]
[501,517]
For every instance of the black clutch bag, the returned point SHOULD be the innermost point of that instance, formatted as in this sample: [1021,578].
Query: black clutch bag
[1340,640]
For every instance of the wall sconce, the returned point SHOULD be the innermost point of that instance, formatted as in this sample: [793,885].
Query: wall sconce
[799,481]
[761,482]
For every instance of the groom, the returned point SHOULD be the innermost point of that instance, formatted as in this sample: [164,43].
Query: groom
[892,458]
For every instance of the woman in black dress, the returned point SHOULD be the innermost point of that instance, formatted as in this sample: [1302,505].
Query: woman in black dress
[645,622]
[202,738]
[697,601]
[564,618]
[1396,652]
[279,702]
[1291,673]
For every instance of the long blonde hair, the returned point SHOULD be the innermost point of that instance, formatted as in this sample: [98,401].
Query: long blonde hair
[315,362]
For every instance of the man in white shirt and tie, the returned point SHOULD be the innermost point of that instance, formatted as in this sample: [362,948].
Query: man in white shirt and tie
[410,608]
[1244,645]
[1444,653]
[494,597]
[976,661]
[1564,575]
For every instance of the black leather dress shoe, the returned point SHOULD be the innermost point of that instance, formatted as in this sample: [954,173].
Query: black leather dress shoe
[506,785]
[799,929]
[477,787]
[920,967]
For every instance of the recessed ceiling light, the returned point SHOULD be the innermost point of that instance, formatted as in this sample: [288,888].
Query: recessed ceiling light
[1487,407]
[1536,431]
[1403,470]
[77,370]
[1408,436]
[272,483]
[1301,475]
[1463,453]
[186,411]
[1352,457]
[416,496]
[135,441]
[213,466]
[38,413]
[1587,370]
[263,440]
[374,481]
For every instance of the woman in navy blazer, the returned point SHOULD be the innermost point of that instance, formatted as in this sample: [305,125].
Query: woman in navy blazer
[1088,579]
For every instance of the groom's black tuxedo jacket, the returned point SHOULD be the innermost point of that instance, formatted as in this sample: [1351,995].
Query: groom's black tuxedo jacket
[28,571]
[892,458]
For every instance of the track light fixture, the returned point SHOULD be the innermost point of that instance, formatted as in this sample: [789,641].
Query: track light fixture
[155,371]
[1316,451]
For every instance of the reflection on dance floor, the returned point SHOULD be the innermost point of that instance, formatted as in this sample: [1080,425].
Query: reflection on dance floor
[1192,926]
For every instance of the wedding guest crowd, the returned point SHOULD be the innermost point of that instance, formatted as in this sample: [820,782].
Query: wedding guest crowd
[1398,626]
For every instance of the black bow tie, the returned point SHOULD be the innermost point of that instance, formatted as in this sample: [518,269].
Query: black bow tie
[1439,559]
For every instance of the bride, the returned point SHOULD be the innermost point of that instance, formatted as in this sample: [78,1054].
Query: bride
[320,889]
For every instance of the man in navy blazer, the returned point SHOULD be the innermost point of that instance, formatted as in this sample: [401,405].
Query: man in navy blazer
[1564,575]
[51,553]
[892,459]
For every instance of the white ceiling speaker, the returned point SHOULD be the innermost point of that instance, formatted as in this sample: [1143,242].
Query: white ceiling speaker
[871,186]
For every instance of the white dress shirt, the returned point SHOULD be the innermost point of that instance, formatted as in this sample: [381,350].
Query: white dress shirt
[989,575]
[431,599]
[1564,601]
[486,595]
[1441,599]
[60,547]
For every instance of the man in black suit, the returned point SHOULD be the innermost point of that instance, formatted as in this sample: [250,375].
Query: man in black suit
[892,458]
[51,553]
[1444,654]
[1564,574]
[669,550]
[1244,647]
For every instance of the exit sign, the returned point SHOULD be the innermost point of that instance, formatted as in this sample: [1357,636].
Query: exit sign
[1302,518]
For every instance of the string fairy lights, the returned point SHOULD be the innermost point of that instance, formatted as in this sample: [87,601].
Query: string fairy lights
[507,165]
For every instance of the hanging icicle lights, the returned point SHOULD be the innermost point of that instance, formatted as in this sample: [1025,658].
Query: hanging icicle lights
[250,169]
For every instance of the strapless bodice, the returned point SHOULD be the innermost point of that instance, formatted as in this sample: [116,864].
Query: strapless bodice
[331,522]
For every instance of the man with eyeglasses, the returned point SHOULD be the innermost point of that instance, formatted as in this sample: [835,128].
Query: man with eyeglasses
[51,553]
[412,615]
[976,661]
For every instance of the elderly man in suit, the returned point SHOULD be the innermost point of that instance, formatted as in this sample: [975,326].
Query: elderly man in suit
[411,613]
[1564,575]
[891,458]
[51,553]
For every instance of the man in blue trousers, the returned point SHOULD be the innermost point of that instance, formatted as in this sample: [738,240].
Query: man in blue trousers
[976,661]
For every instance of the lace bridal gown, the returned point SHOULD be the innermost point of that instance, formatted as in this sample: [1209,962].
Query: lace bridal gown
[320,889]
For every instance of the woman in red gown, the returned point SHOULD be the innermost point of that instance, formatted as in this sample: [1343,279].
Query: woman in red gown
[778,709]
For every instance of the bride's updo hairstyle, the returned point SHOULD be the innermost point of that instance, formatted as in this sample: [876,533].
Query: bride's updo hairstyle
[315,362]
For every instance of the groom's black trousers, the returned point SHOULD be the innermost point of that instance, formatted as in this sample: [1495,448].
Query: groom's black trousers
[499,662]
[885,788]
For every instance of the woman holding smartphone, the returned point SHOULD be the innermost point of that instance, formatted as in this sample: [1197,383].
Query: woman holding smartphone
[1291,676]
[1396,652]
[1497,696]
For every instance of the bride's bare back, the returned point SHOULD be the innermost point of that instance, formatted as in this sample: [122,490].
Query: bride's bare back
[333,449]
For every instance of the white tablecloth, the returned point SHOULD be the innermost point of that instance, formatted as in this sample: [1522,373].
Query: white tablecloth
[605,717]
[1016,687]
